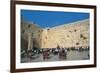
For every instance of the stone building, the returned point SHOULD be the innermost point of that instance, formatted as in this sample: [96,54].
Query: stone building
[30,36]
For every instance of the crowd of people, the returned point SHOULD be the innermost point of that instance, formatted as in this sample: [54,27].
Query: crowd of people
[61,52]
[46,52]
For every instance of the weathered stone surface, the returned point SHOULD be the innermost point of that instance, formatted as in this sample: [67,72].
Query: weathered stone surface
[74,34]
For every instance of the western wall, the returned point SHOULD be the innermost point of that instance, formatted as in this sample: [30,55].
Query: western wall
[75,34]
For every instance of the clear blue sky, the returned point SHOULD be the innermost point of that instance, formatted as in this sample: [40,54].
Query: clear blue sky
[46,19]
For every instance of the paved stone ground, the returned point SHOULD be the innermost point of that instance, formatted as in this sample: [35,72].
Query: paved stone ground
[71,55]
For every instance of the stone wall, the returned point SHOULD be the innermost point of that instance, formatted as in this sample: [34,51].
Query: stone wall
[32,34]
[68,35]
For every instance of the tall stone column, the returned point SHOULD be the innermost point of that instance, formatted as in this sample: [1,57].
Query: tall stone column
[30,42]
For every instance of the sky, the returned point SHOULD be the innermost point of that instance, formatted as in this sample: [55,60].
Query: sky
[48,19]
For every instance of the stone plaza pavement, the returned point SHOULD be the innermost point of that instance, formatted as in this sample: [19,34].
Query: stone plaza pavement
[71,56]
